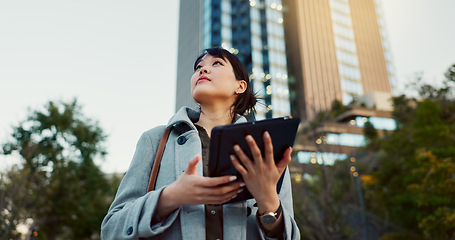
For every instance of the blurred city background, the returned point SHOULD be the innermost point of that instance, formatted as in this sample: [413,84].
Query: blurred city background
[372,80]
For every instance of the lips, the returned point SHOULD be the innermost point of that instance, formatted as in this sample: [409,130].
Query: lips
[202,78]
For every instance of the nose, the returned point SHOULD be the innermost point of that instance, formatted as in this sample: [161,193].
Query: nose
[203,70]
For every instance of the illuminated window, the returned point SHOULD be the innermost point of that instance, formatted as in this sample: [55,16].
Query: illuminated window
[327,158]
[383,123]
[346,139]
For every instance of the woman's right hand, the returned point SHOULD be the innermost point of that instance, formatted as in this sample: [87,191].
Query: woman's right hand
[191,189]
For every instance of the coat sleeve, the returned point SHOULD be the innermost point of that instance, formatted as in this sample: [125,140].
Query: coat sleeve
[291,230]
[130,215]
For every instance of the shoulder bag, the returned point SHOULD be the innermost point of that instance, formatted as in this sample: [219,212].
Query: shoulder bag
[158,157]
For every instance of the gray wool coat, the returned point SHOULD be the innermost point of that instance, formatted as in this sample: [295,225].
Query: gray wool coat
[131,212]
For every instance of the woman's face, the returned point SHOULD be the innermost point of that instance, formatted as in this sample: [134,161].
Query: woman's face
[214,81]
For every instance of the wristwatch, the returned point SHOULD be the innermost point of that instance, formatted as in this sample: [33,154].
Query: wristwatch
[270,217]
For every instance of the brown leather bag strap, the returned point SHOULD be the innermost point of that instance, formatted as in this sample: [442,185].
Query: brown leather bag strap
[157,162]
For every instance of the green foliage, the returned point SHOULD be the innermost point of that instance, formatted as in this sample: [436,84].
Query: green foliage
[414,183]
[13,201]
[337,108]
[450,74]
[58,185]
[370,132]
[371,135]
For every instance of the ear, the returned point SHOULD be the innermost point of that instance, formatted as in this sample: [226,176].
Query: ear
[242,85]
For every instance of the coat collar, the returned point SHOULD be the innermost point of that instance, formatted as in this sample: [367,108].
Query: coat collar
[189,116]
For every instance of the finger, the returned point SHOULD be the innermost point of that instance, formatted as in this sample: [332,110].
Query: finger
[219,199]
[244,159]
[224,189]
[232,194]
[218,194]
[268,149]
[236,185]
[242,170]
[213,194]
[283,163]
[191,169]
[209,182]
[224,198]
[255,151]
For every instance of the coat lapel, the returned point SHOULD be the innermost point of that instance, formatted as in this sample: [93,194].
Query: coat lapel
[192,217]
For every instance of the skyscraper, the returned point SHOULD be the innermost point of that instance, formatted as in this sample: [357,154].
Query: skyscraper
[337,50]
[301,56]
[253,30]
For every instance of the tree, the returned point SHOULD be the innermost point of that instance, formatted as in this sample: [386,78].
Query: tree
[371,135]
[60,187]
[414,183]
[12,202]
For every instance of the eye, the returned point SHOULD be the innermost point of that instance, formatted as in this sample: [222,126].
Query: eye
[197,67]
[218,62]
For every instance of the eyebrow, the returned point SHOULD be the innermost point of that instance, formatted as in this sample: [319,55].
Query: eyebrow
[201,60]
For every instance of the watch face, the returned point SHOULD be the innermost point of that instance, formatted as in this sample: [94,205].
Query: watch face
[268,219]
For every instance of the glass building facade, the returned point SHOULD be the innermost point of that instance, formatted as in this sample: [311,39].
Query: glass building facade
[386,47]
[337,50]
[346,53]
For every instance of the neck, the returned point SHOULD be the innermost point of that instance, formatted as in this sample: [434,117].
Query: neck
[212,117]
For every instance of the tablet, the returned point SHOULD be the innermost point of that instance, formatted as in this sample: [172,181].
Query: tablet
[223,138]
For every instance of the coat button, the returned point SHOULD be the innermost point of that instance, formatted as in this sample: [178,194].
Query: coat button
[181,140]
[129,231]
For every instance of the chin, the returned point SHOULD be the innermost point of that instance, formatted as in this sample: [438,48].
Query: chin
[200,96]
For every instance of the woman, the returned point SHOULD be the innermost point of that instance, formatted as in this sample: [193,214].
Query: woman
[185,203]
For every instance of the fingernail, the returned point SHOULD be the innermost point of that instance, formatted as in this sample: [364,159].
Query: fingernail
[236,148]
[240,190]
[232,178]
[249,138]
[266,134]
[242,184]
[232,157]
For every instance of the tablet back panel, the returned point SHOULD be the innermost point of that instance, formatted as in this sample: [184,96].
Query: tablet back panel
[223,138]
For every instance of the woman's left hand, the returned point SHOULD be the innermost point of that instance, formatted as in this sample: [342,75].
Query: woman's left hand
[260,174]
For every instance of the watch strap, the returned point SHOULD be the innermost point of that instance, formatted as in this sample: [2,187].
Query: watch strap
[279,211]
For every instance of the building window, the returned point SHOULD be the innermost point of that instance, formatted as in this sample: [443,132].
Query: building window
[341,6]
[347,57]
[351,86]
[377,122]
[346,139]
[326,158]
[345,44]
[349,71]
[343,31]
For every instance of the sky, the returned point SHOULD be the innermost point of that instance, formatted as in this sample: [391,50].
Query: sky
[118,58]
